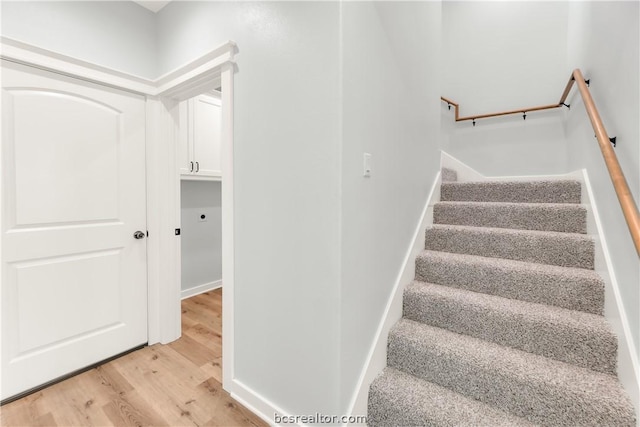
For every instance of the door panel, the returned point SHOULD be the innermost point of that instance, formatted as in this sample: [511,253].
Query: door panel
[83,276]
[77,151]
[74,287]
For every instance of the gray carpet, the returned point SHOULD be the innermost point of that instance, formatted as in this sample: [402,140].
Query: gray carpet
[449,175]
[512,192]
[399,399]
[543,247]
[564,217]
[572,288]
[503,324]
[580,338]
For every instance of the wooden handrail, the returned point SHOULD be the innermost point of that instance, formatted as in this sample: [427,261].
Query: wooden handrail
[499,113]
[629,206]
[627,203]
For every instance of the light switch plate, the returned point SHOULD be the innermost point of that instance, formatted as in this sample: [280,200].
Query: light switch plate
[367,165]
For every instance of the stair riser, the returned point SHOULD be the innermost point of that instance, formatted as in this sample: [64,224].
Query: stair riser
[567,250]
[513,192]
[566,290]
[588,345]
[569,219]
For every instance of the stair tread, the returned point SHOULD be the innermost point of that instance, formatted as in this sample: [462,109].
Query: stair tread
[539,191]
[567,287]
[545,247]
[411,401]
[580,338]
[513,264]
[543,390]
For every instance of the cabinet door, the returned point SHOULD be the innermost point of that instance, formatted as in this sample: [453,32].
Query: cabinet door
[206,136]
[185,148]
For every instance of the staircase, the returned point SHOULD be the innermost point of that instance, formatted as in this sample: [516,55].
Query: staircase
[503,325]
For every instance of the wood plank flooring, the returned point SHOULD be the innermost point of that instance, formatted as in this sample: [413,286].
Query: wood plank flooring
[178,384]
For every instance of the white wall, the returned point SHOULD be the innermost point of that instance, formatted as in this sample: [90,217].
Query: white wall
[604,44]
[500,56]
[116,34]
[509,146]
[390,80]
[200,241]
[286,179]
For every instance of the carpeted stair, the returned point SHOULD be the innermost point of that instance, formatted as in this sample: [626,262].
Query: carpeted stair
[503,324]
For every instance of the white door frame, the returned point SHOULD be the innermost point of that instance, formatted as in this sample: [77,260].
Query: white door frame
[215,68]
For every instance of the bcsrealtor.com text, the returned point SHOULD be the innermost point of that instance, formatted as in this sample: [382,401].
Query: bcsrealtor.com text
[318,418]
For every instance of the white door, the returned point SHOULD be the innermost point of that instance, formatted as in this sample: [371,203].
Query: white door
[74,286]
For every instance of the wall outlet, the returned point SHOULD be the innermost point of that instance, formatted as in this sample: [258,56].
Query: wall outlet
[202,218]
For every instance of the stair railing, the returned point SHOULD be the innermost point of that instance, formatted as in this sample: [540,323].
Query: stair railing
[627,203]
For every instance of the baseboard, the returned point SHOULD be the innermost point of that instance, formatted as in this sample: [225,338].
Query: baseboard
[377,357]
[256,403]
[200,289]
[628,364]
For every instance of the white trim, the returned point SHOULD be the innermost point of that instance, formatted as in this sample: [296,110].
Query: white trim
[17,51]
[628,364]
[228,230]
[199,76]
[212,59]
[185,177]
[377,357]
[256,403]
[153,222]
[182,81]
[3,137]
[200,289]
[163,186]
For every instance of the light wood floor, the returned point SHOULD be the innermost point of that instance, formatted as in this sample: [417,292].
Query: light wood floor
[178,384]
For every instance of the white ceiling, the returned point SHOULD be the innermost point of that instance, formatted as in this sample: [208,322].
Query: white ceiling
[153,5]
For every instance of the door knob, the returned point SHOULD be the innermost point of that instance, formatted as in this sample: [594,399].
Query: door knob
[138,235]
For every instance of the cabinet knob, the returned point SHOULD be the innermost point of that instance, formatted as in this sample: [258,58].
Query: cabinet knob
[197,166]
[191,170]
[138,235]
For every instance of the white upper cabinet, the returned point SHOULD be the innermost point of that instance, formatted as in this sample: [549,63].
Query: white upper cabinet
[200,138]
